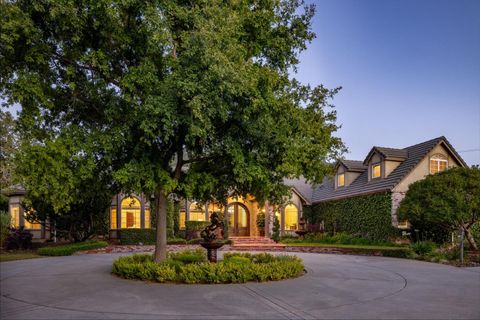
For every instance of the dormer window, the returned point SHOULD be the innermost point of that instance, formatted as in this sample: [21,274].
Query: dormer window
[341,180]
[438,163]
[376,171]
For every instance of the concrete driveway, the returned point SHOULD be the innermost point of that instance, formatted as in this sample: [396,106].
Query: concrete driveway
[336,286]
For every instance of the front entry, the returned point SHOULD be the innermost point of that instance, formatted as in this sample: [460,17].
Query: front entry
[239,220]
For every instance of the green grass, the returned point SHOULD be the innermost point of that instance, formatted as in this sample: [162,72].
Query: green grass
[18,255]
[346,246]
[69,249]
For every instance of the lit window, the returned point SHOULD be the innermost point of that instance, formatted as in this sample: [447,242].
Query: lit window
[438,163]
[130,213]
[291,217]
[31,225]
[15,212]
[341,180]
[113,218]
[148,220]
[278,214]
[181,222]
[376,172]
[197,212]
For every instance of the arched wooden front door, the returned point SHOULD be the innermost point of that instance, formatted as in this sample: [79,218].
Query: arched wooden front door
[239,219]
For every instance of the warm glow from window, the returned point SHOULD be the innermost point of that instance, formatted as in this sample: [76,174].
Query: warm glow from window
[113,218]
[278,214]
[148,220]
[197,212]
[242,217]
[31,225]
[291,217]
[376,172]
[438,163]
[231,216]
[15,212]
[341,180]
[181,222]
[131,213]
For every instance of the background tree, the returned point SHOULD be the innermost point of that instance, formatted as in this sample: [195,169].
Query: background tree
[67,184]
[8,143]
[450,199]
[194,97]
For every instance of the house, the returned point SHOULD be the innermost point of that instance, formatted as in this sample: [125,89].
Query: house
[384,170]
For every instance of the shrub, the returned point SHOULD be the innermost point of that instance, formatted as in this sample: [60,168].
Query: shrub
[69,249]
[406,253]
[235,268]
[339,238]
[195,241]
[193,228]
[5,222]
[137,236]
[19,238]
[423,247]
[189,256]
[276,229]
[176,241]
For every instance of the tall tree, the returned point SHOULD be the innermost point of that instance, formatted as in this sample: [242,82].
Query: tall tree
[450,199]
[8,144]
[194,96]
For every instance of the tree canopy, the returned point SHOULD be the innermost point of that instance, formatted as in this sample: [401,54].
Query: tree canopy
[450,199]
[188,97]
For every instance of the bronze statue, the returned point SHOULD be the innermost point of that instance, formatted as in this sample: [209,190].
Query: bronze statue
[213,231]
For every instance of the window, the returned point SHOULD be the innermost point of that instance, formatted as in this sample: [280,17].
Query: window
[130,213]
[376,171]
[291,217]
[113,218]
[438,163]
[15,212]
[341,180]
[197,212]
[181,222]
[148,220]
[30,225]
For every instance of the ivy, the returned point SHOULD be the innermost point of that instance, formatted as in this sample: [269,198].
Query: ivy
[367,216]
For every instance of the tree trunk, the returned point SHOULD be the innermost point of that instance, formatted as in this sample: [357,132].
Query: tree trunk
[470,239]
[161,225]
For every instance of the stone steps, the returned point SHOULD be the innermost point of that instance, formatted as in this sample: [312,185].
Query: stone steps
[255,244]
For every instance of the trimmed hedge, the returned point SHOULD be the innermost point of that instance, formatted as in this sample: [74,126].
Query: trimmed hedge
[338,238]
[234,268]
[69,249]
[143,236]
[366,216]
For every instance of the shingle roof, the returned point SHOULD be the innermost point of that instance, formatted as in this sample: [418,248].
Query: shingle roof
[326,191]
[388,153]
[354,165]
[302,187]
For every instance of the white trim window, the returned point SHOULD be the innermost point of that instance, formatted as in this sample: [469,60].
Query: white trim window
[341,180]
[438,163]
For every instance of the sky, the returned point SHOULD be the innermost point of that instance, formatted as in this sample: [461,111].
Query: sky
[409,71]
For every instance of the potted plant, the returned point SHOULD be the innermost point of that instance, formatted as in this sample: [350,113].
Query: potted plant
[261,223]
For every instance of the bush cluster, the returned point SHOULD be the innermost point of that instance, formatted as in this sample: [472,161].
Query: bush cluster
[191,267]
[19,238]
[69,249]
[136,236]
[338,238]
[193,228]
[368,216]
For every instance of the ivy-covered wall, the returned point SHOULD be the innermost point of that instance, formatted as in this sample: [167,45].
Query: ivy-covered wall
[368,216]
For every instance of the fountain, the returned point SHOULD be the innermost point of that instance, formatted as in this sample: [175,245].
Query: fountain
[213,237]
[302,231]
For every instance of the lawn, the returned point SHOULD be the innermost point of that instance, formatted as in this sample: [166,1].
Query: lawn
[18,255]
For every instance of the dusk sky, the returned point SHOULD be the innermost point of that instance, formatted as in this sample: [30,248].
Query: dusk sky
[410,71]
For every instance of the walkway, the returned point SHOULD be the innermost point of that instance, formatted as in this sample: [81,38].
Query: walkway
[336,286]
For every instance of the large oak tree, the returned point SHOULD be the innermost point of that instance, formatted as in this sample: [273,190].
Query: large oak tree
[194,98]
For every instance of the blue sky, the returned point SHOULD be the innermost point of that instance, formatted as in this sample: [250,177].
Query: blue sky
[410,71]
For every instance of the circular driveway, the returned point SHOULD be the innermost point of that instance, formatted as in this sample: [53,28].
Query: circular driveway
[335,286]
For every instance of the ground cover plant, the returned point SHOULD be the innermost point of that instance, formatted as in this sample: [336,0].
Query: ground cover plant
[339,238]
[18,255]
[191,266]
[69,249]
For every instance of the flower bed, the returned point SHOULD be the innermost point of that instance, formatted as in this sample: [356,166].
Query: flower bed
[191,266]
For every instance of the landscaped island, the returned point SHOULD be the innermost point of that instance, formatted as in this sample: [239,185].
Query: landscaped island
[191,266]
